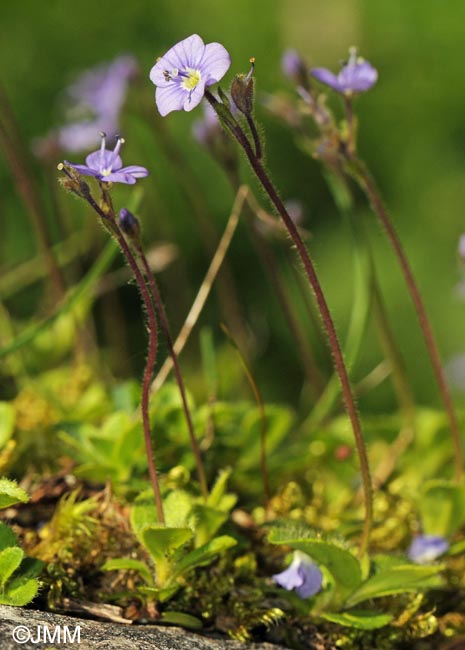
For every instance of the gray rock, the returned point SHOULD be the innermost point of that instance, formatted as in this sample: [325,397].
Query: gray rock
[35,630]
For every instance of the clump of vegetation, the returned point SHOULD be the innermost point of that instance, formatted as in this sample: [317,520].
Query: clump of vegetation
[197,502]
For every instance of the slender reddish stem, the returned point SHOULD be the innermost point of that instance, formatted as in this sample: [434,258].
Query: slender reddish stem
[368,185]
[113,228]
[166,329]
[325,313]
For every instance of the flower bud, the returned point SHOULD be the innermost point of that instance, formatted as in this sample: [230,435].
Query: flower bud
[129,224]
[242,90]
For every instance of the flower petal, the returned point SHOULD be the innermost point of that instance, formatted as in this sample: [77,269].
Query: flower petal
[119,177]
[170,99]
[194,98]
[357,78]
[83,169]
[134,170]
[427,548]
[186,54]
[215,63]
[327,77]
[93,160]
[312,580]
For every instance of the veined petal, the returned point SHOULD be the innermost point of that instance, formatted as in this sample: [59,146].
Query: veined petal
[188,52]
[169,99]
[94,161]
[194,98]
[327,77]
[134,170]
[215,63]
[119,177]
[185,54]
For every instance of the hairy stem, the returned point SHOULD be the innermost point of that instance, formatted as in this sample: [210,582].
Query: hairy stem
[256,137]
[328,323]
[177,371]
[367,184]
[111,225]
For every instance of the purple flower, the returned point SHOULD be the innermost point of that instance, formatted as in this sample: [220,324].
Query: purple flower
[294,67]
[103,89]
[182,74]
[96,99]
[302,575]
[426,548]
[356,76]
[208,128]
[107,165]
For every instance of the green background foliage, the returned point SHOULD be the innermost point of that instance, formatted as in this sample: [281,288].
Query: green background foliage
[412,129]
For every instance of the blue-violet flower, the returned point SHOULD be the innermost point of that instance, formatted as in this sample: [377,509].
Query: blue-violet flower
[302,575]
[427,548]
[107,165]
[182,74]
[95,101]
[356,76]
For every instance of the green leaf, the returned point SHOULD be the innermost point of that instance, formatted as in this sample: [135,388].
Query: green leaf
[181,619]
[160,595]
[128,564]
[10,559]
[442,507]
[20,592]
[7,422]
[143,513]
[11,493]
[203,555]
[7,537]
[207,522]
[359,619]
[396,579]
[219,489]
[161,541]
[344,567]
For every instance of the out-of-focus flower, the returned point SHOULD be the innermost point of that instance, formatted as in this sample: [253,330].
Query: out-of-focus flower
[294,67]
[427,548]
[455,367]
[461,247]
[208,128]
[107,165]
[182,74]
[356,76]
[302,576]
[95,101]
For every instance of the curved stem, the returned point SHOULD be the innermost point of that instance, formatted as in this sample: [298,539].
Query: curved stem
[113,228]
[367,184]
[177,371]
[325,313]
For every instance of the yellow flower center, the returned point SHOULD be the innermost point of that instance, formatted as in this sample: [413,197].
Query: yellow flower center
[193,77]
